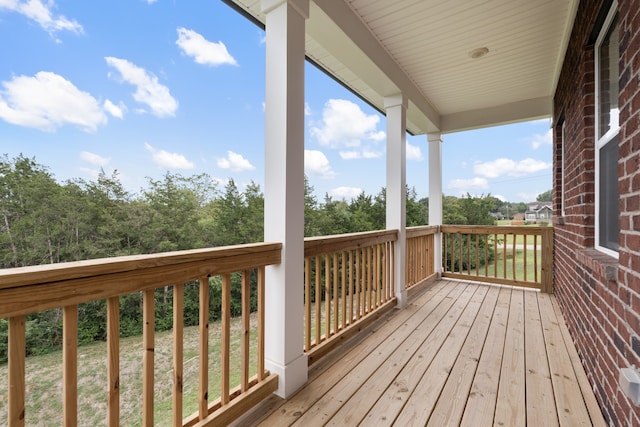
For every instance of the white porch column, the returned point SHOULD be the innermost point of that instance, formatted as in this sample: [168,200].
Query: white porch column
[284,190]
[435,194]
[396,108]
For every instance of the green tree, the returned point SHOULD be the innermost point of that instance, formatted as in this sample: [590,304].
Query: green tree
[415,212]
[311,222]
[175,203]
[544,197]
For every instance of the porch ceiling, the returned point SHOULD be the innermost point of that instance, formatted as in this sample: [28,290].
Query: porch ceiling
[422,48]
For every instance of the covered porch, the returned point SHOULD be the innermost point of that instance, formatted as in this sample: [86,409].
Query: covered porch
[453,352]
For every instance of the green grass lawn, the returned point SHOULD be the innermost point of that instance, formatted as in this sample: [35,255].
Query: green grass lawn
[44,378]
[498,269]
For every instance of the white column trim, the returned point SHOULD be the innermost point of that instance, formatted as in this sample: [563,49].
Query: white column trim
[396,111]
[435,194]
[284,191]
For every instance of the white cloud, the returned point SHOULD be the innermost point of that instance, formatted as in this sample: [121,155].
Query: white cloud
[468,185]
[527,197]
[500,197]
[378,136]
[151,1]
[414,152]
[317,164]
[360,154]
[203,51]
[164,159]
[344,193]
[113,109]
[509,167]
[47,101]
[344,124]
[42,14]
[94,159]
[307,109]
[91,173]
[148,90]
[235,162]
[538,140]
[220,182]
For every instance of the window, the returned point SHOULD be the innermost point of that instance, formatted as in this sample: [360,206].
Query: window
[607,130]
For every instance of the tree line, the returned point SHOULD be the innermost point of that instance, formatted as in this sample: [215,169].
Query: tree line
[44,221]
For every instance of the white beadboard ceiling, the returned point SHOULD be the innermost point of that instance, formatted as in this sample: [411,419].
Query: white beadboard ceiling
[421,48]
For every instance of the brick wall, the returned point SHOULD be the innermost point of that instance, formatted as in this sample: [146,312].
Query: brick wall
[599,295]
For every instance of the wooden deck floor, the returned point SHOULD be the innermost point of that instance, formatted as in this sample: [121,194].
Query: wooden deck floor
[460,354]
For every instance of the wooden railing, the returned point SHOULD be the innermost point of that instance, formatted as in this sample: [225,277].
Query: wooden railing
[519,256]
[348,283]
[64,286]
[420,255]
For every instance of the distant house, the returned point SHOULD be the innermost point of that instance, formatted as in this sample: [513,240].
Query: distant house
[538,211]
[518,217]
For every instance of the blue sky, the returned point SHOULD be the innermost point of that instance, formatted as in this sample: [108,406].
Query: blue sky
[149,86]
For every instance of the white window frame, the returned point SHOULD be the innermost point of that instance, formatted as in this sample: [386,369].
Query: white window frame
[600,142]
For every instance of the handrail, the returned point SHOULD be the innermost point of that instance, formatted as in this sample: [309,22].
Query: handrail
[63,286]
[499,254]
[348,283]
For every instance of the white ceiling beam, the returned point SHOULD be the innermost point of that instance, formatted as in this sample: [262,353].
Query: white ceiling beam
[530,109]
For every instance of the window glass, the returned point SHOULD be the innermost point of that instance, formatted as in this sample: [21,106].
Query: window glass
[608,195]
[608,127]
[608,81]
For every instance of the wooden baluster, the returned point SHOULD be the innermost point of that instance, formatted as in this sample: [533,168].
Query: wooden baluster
[486,255]
[226,338]
[445,239]
[469,254]
[351,287]
[513,260]
[178,352]
[17,356]
[203,383]
[113,361]
[524,252]
[336,295]
[495,255]
[477,254]
[261,296]
[70,365]
[504,257]
[318,301]
[148,335]
[327,296]
[307,304]
[344,289]
[378,278]
[246,329]
[535,258]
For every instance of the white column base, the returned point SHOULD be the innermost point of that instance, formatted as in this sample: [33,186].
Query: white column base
[402,299]
[291,377]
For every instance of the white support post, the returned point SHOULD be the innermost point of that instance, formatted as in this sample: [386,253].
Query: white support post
[396,109]
[435,195]
[284,190]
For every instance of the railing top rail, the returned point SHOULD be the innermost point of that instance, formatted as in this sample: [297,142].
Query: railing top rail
[343,242]
[220,256]
[496,229]
[422,230]
[32,289]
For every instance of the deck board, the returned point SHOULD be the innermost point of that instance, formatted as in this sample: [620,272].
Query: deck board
[460,353]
